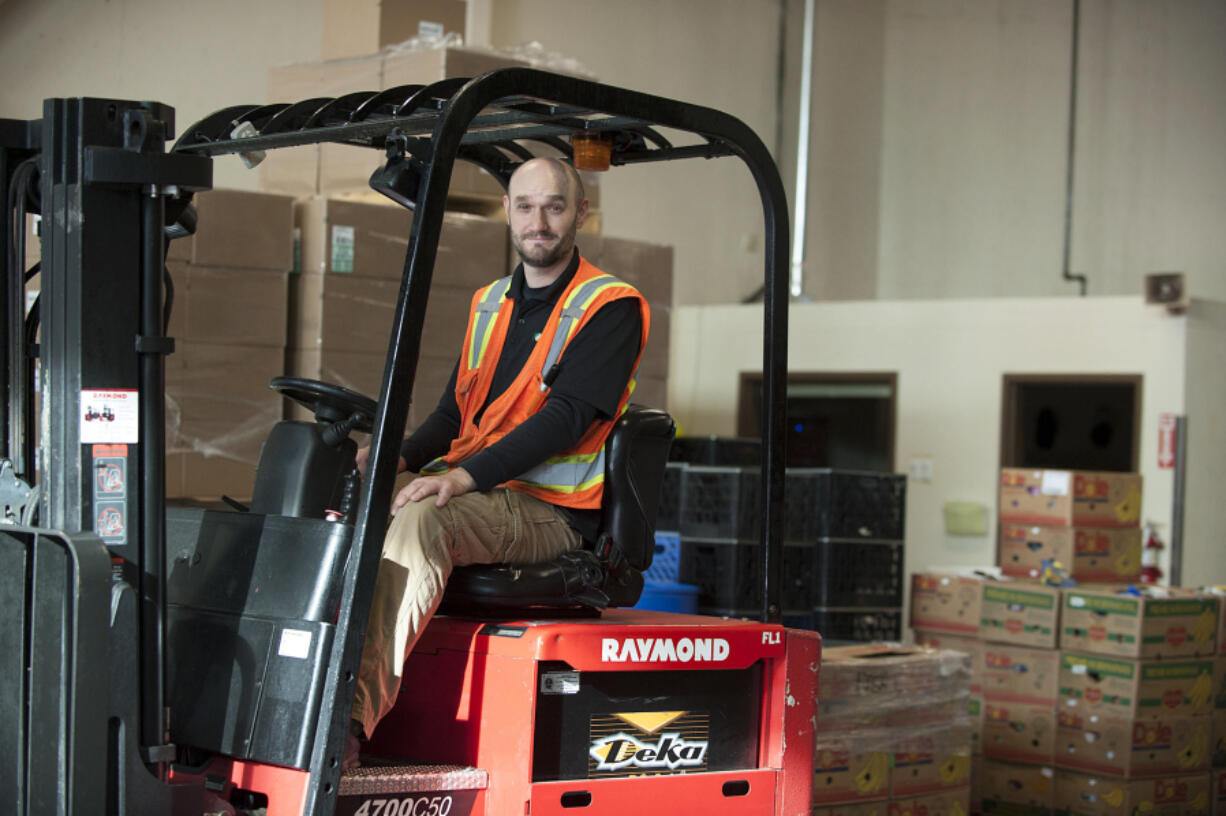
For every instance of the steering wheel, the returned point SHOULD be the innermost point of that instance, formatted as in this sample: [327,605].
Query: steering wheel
[329,403]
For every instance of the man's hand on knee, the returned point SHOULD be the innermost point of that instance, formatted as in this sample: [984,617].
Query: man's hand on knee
[454,482]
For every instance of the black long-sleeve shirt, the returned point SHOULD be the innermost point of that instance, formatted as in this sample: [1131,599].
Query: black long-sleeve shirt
[593,373]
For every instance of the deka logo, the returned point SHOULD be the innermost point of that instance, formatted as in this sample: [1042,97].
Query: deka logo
[663,650]
[670,752]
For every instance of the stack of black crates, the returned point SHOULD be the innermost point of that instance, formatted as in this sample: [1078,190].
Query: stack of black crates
[842,544]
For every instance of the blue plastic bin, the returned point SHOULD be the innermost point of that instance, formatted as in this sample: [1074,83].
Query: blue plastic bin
[669,597]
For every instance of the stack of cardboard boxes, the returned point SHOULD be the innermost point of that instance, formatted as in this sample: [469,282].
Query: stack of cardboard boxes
[1094,698]
[344,297]
[229,323]
[892,732]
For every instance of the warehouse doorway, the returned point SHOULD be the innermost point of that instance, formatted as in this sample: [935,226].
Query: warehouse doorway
[837,420]
[1071,422]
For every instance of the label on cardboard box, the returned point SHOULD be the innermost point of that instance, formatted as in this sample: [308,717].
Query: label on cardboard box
[1025,614]
[342,249]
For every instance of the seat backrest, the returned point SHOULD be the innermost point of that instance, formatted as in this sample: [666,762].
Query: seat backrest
[636,455]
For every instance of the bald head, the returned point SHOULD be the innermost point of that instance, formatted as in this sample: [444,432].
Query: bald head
[564,177]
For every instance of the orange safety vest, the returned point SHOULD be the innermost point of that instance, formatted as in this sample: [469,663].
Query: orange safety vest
[574,477]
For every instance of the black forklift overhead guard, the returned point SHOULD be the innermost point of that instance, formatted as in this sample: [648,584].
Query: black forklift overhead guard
[490,121]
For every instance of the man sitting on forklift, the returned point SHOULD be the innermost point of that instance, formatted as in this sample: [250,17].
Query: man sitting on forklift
[513,453]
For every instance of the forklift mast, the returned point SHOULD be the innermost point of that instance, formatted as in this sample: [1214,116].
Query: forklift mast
[86,582]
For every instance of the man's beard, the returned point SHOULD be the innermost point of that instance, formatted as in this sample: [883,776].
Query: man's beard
[544,256]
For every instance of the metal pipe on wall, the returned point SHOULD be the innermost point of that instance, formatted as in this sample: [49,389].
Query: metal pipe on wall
[800,216]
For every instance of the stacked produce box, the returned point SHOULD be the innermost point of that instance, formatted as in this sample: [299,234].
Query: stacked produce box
[892,731]
[1092,698]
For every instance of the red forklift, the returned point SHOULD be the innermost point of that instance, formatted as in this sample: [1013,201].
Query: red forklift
[185,661]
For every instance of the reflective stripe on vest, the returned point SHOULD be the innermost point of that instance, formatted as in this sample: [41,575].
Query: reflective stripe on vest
[572,312]
[484,319]
[567,474]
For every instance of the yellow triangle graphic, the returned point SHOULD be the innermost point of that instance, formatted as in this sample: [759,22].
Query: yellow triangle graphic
[602,751]
[651,721]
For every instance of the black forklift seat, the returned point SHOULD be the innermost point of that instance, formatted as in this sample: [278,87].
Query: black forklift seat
[608,573]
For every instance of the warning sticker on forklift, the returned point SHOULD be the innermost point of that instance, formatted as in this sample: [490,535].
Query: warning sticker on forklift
[295,643]
[560,682]
[110,416]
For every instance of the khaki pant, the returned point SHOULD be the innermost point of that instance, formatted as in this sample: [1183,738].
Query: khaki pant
[423,543]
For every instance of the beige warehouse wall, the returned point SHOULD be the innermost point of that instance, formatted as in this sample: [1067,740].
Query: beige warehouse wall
[196,57]
[950,357]
[976,117]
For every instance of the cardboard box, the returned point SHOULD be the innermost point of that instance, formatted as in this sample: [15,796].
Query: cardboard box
[1011,788]
[363,372]
[647,267]
[946,803]
[1088,553]
[1104,621]
[228,305]
[354,28]
[239,228]
[370,239]
[1017,732]
[1135,688]
[1017,674]
[1070,498]
[930,760]
[344,313]
[1115,746]
[843,774]
[1021,613]
[975,712]
[946,602]
[219,411]
[887,680]
[1079,794]
[971,646]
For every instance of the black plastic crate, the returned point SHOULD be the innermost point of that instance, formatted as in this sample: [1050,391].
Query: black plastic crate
[728,574]
[719,502]
[857,625]
[857,573]
[825,503]
[669,516]
[716,450]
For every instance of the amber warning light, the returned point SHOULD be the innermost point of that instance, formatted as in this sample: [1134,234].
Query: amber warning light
[592,150]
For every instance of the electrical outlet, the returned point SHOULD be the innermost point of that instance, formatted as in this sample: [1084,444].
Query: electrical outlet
[920,470]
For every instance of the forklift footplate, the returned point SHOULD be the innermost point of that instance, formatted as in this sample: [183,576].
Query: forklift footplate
[376,778]
[390,790]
